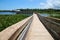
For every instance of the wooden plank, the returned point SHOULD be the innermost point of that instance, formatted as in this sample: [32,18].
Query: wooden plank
[37,31]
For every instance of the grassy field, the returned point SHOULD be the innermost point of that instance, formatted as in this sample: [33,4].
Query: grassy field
[8,20]
[55,15]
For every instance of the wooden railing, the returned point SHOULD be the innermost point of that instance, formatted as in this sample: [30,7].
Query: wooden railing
[57,20]
[12,32]
[51,26]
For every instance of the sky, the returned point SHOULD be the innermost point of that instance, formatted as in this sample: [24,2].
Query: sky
[17,4]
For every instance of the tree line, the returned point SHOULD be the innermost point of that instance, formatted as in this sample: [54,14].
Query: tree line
[39,10]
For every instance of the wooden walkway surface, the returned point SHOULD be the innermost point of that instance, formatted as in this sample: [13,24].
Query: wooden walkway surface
[37,31]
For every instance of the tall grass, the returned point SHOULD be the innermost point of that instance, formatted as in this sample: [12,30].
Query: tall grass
[8,20]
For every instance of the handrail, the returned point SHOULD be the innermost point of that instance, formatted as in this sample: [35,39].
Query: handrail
[13,31]
[53,22]
[54,19]
[25,30]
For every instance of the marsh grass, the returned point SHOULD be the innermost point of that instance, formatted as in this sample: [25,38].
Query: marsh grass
[8,20]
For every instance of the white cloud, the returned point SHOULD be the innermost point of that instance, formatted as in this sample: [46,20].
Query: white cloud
[51,4]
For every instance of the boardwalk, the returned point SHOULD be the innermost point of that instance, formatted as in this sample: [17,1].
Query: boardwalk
[37,31]
[31,26]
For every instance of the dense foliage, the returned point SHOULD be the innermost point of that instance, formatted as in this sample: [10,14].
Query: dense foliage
[29,11]
[8,20]
[40,10]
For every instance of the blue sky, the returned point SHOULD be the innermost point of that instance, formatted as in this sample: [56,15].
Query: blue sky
[16,4]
